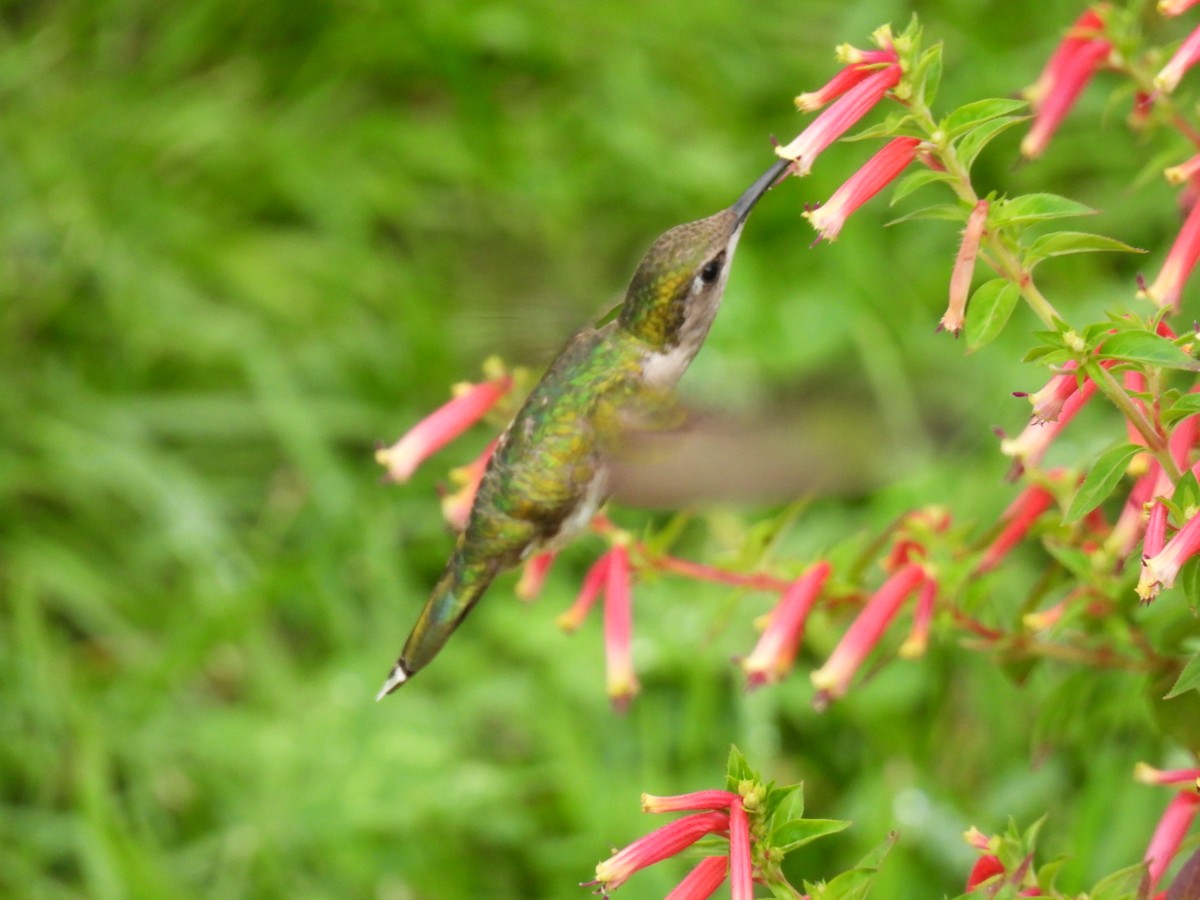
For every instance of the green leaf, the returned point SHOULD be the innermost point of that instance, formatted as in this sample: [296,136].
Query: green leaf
[854,883]
[1103,478]
[988,311]
[1148,349]
[950,212]
[1061,243]
[929,74]
[915,180]
[793,794]
[738,770]
[798,832]
[1188,680]
[975,113]
[1187,405]
[1038,208]
[973,142]
[1187,491]
[1124,884]
[1189,580]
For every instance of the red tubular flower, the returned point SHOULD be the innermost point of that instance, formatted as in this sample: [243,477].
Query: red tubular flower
[741,873]
[1087,27]
[839,118]
[1156,530]
[775,651]
[1018,519]
[1181,259]
[533,574]
[985,867]
[1048,402]
[861,63]
[1028,448]
[964,269]
[1147,774]
[878,172]
[657,846]
[832,680]
[1063,80]
[470,403]
[1185,57]
[1160,571]
[456,507]
[593,583]
[1173,825]
[711,799]
[1124,535]
[918,639]
[618,630]
[702,882]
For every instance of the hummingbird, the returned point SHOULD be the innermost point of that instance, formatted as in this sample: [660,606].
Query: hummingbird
[549,474]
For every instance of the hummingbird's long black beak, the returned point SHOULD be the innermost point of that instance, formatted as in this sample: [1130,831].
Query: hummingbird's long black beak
[765,182]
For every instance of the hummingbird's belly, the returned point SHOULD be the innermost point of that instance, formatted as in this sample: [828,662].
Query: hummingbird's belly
[581,516]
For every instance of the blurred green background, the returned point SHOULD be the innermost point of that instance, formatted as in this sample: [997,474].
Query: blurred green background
[245,242]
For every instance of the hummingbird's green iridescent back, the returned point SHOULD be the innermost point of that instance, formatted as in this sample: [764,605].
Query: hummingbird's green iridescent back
[548,475]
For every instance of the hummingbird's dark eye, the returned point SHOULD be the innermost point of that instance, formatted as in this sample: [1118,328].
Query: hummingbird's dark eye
[711,270]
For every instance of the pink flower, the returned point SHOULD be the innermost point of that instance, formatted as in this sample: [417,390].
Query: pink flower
[711,799]
[918,639]
[741,873]
[533,575]
[964,269]
[985,867]
[1159,571]
[1173,825]
[471,402]
[658,845]
[702,882]
[1123,537]
[1048,402]
[593,583]
[1175,7]
[879,171]
[456,507]
[1063,79]
[839,118]
[1147,774]
[1185,57]
[861,64]
[618,629]
[775,651]
[1018,519]
[1156,530]
[1028,448]
[1181,259]
[832,680]
[1087,27]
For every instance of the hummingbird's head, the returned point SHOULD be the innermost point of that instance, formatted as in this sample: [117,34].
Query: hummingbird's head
[675,292]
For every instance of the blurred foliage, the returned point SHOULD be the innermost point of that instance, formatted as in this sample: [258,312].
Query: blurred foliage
[245,242]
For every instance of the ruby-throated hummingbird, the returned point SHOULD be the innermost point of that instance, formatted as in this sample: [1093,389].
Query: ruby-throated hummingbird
[548,475]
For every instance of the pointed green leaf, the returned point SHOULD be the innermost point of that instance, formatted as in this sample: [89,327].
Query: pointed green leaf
[1060,243]
[971,114]
[1038,208]
[929,74]
[1189,580]
[1124,884]
[1103,478]
[1187,405]
[798,832]
[972,143]
[1187,491]
[738,770]
[1188,680]
[988,311]
[792,795]
[914,180]
[950,212]
[1149,349]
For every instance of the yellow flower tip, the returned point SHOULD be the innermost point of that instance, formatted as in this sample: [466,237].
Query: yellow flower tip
[913,647]
[1144,773]
[494,368]
[568,622]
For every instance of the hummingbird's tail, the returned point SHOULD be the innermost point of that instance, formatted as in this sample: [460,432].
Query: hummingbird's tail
[459,588]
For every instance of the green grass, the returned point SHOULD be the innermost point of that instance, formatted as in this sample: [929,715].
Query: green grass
[245,243]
